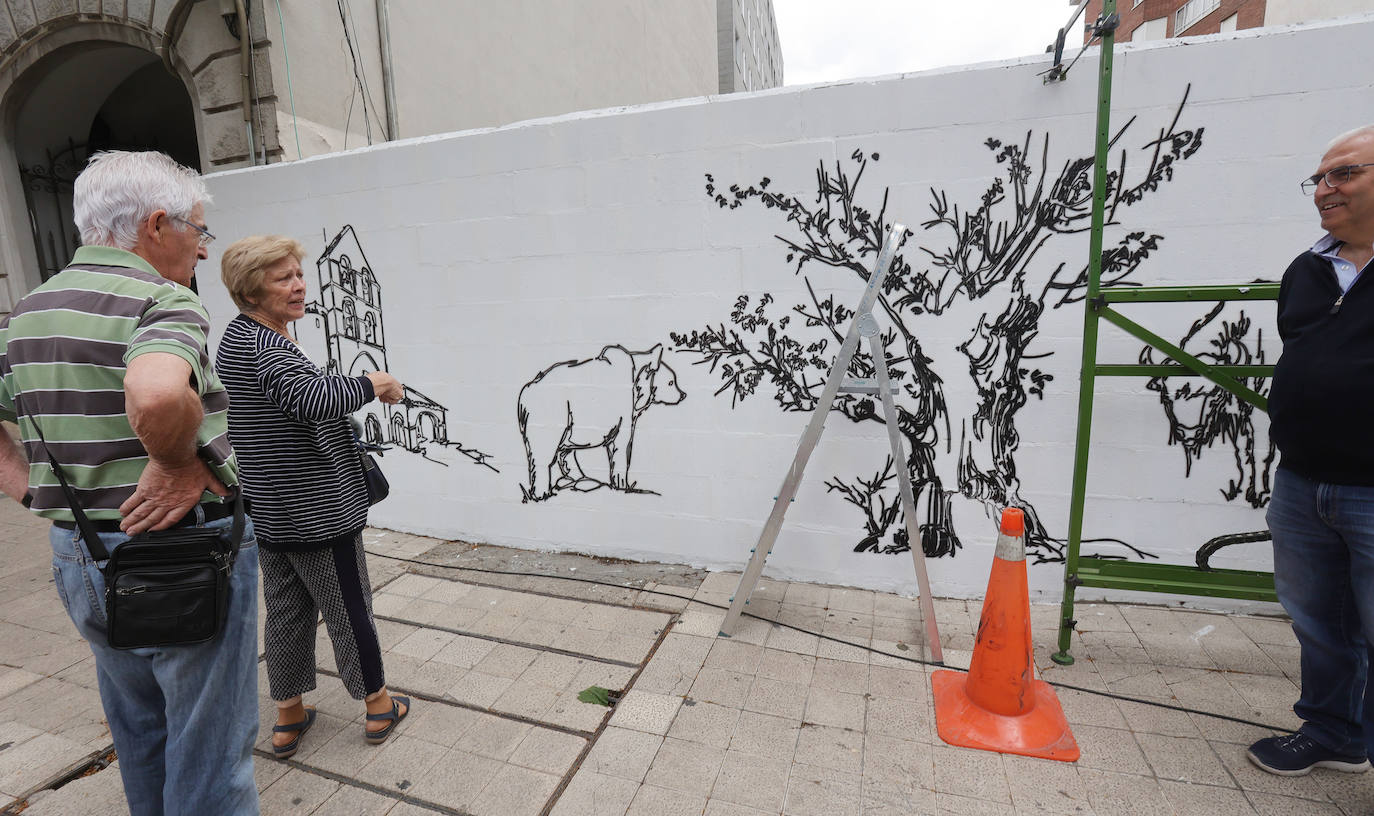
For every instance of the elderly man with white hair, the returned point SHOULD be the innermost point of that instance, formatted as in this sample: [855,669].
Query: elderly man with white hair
[108,362]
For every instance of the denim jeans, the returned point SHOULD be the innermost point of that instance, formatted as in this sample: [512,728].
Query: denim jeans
[183,718]
[1324,575]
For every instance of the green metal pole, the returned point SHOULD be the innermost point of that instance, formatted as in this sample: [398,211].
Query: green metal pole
[1087,372]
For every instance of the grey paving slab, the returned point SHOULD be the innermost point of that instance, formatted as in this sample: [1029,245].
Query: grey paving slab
[1268,804]
[515,791]
[835,708]
[398,764]
[766,736]
[898,761]
[819,791]
[623,753]
[1188,799]
[973,774]
[769,721]
[593,794]
[100,794]
[704,722]
[645,711]
[684,765]
[457,779]
[753,781]
[722,687]
[1045,786]
[351,801]
[825,746]
[651,800]
[1112,793]
[297,793]
[551,752]
[896,798]
[1183,759]
[777,697]
[30,762]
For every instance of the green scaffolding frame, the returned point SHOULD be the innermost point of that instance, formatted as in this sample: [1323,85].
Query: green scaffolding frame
[1091,571]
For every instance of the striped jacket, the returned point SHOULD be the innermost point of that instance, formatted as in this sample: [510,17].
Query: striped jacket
[288,422]
[63,353]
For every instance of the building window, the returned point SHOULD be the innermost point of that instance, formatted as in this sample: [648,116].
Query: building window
[1151,30]
[1229,24]
[1191,12]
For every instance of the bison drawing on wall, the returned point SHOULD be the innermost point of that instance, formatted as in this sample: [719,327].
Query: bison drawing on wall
[575,407]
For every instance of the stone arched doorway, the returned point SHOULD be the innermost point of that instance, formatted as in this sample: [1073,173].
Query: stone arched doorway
[80,99]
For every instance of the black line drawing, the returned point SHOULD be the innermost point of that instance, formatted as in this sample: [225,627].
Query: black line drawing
[974,267]
[1202,415]
[349,309]
[582,405]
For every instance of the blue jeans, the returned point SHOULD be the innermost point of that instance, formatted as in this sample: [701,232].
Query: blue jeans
[183,718]
[1324,575]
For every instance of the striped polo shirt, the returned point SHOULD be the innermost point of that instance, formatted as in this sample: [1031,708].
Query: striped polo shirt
[289,424]
[63,354]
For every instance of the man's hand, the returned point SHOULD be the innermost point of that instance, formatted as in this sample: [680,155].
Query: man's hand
[387,388]
[165,494]
[14,467]
[165,412]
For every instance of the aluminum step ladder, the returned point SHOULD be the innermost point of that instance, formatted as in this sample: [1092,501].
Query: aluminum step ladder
[863,325]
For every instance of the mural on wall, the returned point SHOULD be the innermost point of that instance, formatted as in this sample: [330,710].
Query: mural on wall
[349,309]
[1202,415]
[575,407]
[985,269]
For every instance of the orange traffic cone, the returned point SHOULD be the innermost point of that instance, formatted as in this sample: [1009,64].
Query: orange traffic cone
[999,705]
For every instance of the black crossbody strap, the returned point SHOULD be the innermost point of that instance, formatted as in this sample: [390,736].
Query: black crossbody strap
[93,542]
[83,523]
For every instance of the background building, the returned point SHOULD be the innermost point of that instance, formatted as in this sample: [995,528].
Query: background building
[78,76]
[750,56]
[1159,19]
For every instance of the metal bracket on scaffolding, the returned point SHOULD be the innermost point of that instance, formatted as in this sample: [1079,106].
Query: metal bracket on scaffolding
[863,325]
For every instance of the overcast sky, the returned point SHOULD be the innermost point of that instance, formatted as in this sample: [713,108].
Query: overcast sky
[842,39]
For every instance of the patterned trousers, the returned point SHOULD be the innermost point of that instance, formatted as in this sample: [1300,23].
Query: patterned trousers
[300,586]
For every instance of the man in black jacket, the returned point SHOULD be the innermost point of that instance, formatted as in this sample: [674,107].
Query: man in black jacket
[1321,411]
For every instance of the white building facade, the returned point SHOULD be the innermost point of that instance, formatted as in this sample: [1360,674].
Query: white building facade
[77,76]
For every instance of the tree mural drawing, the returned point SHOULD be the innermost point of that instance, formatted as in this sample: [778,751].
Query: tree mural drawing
[987,268]
[1202,415]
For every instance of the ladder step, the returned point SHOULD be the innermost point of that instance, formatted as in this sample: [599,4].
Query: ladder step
[864,385]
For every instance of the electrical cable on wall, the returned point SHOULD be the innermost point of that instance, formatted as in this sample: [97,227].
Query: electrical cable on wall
[1099,693]
[362,74]
[290,92]
[359,80]
[257,102]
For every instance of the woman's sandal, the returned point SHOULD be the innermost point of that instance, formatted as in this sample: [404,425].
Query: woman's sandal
[395,715]
[290,748]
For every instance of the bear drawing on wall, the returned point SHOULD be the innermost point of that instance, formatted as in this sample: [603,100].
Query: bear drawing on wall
[581,405]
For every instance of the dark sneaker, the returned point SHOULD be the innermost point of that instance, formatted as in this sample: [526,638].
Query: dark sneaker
[1297,754]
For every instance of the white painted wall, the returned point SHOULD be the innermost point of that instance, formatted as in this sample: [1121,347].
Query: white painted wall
[503,252]
[1279,12]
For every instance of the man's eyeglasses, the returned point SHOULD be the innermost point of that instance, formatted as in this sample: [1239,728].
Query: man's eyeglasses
[205,235]
[1334,177]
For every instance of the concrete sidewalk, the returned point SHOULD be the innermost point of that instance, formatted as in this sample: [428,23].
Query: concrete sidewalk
[770,721]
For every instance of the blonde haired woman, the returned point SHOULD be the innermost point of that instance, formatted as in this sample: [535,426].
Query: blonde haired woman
[288,422]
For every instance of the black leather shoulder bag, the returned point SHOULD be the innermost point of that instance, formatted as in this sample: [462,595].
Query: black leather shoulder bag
[164,587]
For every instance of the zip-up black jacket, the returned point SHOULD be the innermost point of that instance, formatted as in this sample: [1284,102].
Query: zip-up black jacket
[1321,402]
